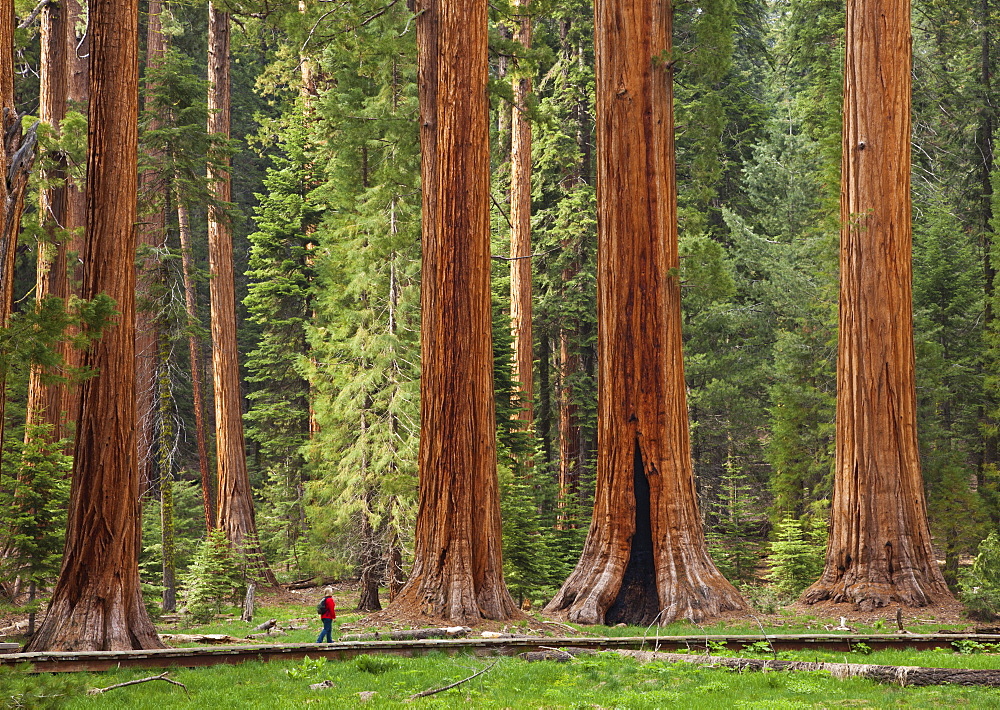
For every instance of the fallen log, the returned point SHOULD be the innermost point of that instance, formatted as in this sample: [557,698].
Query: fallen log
[448,632]
[897,675]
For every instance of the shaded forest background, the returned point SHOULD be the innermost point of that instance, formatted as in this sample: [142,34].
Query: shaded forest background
[326,214]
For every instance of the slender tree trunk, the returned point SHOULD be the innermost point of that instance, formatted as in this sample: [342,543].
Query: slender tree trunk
[78,92]
[520,233]
[879,550]
[645,558]
[458,571]
[235,502]
[569,430]
[17,154]
[166,477]
[984,148]
[194,353]
[152,236]
[45,401]
[97,604]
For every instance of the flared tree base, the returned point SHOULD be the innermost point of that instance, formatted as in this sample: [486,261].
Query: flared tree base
[871,595]
[95,624]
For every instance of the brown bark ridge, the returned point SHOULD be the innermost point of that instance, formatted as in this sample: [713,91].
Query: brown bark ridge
[235,502]
[194,353]
[152,236]
[645,558]
[879,551]
[457,571]
[46,400]
[97,602]
[520,233]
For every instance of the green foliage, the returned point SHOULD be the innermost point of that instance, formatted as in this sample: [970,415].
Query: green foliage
[375,665]
[33,508]
[731,537]
[213,579]
[20,688]
[309,668]
[797,555]
[189,530]
[981,584]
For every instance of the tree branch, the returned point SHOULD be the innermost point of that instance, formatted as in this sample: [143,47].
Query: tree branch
[162,676]
[425,693]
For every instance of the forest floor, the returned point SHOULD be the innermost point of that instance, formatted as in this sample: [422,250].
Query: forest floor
[296,608]
[604,680]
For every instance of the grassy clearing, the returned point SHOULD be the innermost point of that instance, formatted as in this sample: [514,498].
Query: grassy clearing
[602,681]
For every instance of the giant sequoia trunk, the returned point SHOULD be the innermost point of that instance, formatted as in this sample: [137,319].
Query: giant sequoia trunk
[645,558]
[235,502]
[457,571]
[520,233]
[880,547]
[97,603]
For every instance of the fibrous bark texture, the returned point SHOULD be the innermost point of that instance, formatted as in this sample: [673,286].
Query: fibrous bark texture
[457,571]
[235,503]
[97,602]
[879,550]
[520,233]
[645,558]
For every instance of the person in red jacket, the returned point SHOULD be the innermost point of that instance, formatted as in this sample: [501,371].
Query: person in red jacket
[328,614]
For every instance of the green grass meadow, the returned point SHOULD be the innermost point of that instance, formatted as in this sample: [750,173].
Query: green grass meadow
[602,681]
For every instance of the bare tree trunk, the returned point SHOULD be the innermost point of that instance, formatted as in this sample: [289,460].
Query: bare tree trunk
[165,398]
[191,309]
[879,550]
[152,236]
[45,401]
[569,429]
[458,572]
[520,234]
[235,502]
[78,92]
[97,603]
[645,558]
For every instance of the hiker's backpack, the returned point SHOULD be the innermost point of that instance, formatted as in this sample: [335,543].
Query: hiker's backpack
[321,607]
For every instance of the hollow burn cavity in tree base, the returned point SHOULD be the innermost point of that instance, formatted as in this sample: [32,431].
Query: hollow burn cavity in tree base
[638,601]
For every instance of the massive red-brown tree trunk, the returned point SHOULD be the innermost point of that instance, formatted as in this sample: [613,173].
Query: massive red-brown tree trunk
[520,232]
[235,502]
[879,550]
[97,603]
[152,236]
[645,558]
[457,571]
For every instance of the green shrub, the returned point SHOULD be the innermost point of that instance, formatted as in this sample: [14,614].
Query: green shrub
[796,557]
[981,585]
[376,665]
[214,578]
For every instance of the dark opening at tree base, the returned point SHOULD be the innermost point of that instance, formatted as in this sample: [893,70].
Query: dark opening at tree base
[638,602]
